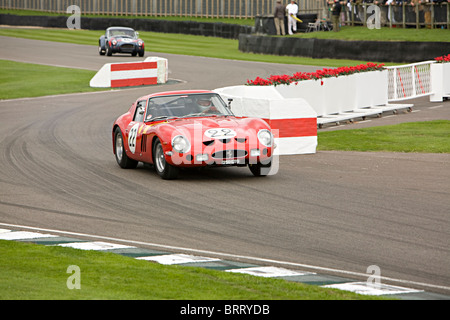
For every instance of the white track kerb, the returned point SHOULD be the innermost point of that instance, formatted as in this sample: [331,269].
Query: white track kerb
[151,71]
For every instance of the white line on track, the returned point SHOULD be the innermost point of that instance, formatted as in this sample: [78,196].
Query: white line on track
[227,255]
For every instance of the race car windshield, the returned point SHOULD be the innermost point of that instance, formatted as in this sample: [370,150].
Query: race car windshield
[123,33]
[187,105]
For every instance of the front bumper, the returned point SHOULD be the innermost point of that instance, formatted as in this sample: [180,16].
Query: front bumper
[220,157]
[126,48]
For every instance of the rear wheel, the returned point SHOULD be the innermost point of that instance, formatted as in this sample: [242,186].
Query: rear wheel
[121,156]
[164,169]
[100,50]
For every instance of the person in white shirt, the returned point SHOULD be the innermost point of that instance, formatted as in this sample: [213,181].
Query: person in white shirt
[292,10]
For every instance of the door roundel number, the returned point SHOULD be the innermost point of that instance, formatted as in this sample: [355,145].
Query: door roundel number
[132,137]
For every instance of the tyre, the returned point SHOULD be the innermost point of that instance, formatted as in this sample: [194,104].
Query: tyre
[119,151]
[100,50]
[164,169]
[259,169]
[108,51]
[141,53]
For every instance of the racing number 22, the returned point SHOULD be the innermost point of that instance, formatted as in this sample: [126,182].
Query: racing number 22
[220,133]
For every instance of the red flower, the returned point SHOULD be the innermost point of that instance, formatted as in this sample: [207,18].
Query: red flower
[319,74]
[443,59]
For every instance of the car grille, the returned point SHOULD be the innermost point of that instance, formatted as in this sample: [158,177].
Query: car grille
[127,46]
[229,154]
[211,142]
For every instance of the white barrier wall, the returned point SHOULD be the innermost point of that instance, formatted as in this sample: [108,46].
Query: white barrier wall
[293,121]
[440,81]
[152,70]
[340,94]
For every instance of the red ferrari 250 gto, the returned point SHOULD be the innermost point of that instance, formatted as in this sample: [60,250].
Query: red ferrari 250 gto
[190,129]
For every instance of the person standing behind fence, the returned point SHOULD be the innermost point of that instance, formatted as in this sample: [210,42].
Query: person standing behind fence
[278,18]
[292,10]
[335,14]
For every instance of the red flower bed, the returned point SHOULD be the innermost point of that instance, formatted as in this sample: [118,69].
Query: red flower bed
[319,74]
[443,59]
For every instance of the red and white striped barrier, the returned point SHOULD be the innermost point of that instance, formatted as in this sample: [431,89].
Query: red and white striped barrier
[152,70]
[293,121]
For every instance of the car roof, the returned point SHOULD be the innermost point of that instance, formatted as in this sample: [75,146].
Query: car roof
[174,93]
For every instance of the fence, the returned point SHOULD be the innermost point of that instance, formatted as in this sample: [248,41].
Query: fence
[434,14]
[184,8]
[430,15]
[409,81]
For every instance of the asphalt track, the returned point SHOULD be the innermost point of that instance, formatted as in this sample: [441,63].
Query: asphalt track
[339,210]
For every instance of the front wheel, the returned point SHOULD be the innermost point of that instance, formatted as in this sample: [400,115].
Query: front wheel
[119,150]
[164,169]
[259,169]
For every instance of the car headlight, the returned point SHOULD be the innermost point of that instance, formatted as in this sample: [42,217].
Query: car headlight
[140,43]
[114,42]
[180,144]
[265,137]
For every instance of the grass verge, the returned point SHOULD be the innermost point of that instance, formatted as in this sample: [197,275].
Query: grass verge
[30,271]
[21,80]
[426,136]
[384,34]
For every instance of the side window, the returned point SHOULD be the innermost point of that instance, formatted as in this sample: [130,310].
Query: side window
[140,111]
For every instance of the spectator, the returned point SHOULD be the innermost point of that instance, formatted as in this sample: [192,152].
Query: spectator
[335,13]
[278,17]
[292,10]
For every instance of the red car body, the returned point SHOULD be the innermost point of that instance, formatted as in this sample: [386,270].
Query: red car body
[192,128]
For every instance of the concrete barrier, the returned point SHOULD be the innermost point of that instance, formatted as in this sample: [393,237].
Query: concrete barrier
[152,70]
[440,81]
